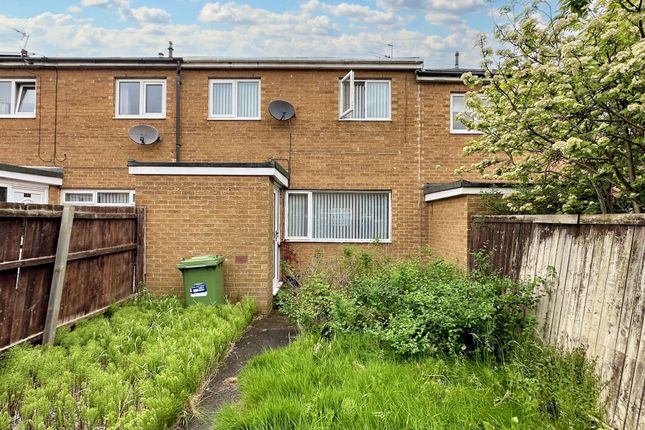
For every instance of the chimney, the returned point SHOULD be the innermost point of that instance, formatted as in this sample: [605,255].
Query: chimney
[456,59]
[170,49]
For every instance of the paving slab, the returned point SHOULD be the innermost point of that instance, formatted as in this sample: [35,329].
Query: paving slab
[272,331]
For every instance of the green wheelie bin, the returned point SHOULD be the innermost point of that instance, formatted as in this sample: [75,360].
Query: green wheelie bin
[203,279]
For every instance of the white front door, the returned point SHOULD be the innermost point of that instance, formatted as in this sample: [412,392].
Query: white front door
[23,192]
[276,239]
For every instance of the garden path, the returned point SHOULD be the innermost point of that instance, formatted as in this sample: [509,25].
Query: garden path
[272,331]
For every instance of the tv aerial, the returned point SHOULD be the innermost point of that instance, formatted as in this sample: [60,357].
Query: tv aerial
[281,110]
[143,134]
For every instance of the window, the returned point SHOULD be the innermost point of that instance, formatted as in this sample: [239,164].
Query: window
[137,98]
[17,98]
[98,197]
[364,100]
[338,216]
[3,194]
[458,106]
[234,99]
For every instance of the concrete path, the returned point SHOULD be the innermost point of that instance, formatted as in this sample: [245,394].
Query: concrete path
[272,331]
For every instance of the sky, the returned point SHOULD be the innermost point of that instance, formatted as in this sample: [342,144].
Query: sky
[430,29]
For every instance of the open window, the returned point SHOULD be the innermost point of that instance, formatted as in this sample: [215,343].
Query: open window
[17,98]
[365,99]
[347,95]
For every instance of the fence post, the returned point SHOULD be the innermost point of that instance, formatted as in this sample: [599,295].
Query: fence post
[58,279]
[140,273]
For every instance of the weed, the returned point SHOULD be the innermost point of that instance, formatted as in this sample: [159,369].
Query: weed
[133,369]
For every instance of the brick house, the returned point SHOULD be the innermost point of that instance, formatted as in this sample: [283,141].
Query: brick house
[370,155]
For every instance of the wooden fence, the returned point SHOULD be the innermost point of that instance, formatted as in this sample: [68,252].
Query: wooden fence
[597,296]
[103,264]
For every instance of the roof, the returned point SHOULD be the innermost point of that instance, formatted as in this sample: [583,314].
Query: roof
[53,172]
[445,75]
[268,164]
[462,183]
[404,63]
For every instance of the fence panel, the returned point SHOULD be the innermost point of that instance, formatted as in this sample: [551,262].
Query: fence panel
[595,300]
[102,266]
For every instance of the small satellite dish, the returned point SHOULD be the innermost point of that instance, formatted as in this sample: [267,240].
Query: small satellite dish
[143,134]
[281,110]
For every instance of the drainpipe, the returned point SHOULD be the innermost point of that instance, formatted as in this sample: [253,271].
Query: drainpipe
[178,112]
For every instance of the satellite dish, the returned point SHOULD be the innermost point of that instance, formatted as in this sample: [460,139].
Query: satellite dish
[281,110]
[143,134]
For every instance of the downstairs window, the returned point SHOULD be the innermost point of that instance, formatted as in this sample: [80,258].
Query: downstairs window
[338,216]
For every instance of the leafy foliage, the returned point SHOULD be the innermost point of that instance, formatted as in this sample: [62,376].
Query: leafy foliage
[350,383]
[134,368]
[417,306]
[563,107]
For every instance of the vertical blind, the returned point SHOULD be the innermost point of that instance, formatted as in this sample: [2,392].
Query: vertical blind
[371,100]
[222,99]
[129,94]
[5,97]
[248,99]
[79,197]
[112,198]
[298,215]
[347,216]
[378,99]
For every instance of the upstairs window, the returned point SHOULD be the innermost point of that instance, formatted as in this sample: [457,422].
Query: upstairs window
[17,98]
[234,99]
[136,98]
[98,197]
[458,106]
[364,100]
[338,216]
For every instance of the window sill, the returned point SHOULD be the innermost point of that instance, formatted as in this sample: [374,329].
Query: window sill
[364,119]
[367,241]
[465,132]
[213,118]
[29,116]
[139,117]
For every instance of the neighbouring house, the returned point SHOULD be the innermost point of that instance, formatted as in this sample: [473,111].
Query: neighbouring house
[369,156]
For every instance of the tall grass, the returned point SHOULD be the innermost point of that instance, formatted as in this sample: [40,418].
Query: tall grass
[133,368]
[350,383]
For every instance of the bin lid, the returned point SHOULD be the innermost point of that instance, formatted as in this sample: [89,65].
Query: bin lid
[200,261]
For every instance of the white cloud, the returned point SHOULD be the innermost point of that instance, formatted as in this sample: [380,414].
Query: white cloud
[428,5]
[128,13]
[443,18]
[150,14]
[74,9]
[228,29]
[355,12]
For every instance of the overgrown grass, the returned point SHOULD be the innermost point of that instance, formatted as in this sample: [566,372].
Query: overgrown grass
[133,368]
[351,383]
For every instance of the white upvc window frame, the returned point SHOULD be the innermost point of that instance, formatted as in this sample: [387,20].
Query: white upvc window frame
[310,219]
[452,129]
[94,193]
[15,97]
[233,116]
[343,115]
[143,83]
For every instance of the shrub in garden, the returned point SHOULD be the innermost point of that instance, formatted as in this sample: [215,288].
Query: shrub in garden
[417,306]
[133,368]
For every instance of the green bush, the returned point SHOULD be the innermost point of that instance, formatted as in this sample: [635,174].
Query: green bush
[417,306]
[351,383]
[133,368]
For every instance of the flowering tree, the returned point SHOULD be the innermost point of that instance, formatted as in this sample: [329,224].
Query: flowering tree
[563,108]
